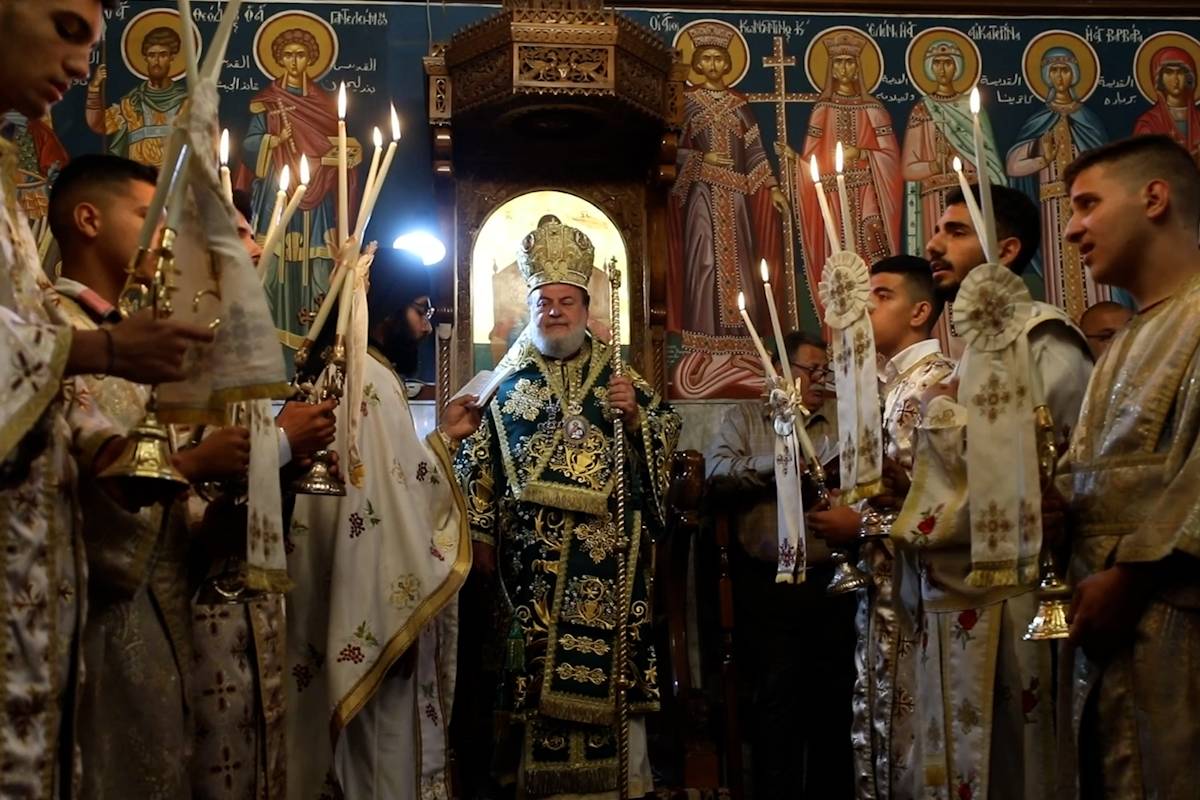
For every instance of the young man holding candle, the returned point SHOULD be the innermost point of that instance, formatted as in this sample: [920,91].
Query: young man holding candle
[997,740]
[1127,727]
[136,645]
[788,635]
[905,311]
[48,45]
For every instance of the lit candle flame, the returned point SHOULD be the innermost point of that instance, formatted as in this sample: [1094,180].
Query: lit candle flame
[285,178]
[838,159]
[812,169]
[342,101]
[377,137]
[957,164]
[741,302]
[395,124]
[304,175]
[225,147]
[975,103]
[762,268]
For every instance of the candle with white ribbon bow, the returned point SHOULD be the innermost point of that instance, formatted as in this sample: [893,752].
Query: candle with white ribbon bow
[988,234]
[826,214]
[844,202]
[768,370]
[784,361]
[226,182]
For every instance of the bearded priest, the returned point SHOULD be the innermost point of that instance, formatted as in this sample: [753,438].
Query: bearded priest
[538,476]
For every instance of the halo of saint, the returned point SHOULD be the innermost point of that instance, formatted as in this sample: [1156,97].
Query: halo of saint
[739,52]
[274,27]
[816,59]
[1086,61]
[142,26]
[957,45]
[1143,60]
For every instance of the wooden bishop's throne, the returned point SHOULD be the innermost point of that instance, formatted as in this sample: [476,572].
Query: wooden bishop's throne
[562,107]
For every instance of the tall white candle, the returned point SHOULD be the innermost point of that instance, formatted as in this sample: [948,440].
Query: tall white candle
[768,370]
[969,198]
[285,180]
[377,140]
[343,179]
[806,445]
[985,185]
[279,230]
[780,347]
[226,182]
[372,196]
[826,214]
[844,202]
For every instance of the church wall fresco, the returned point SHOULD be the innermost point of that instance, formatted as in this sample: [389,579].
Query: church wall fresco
[768,91]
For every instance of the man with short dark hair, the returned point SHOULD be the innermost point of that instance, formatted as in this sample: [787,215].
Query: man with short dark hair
[1133,484]
[790,637]
[133,725]
[905,308]
[971,657]
[1101,322]
[47,45]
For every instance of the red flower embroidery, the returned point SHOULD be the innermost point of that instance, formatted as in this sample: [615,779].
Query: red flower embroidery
[433,551]
[964,792]
[925,526]
[968,618]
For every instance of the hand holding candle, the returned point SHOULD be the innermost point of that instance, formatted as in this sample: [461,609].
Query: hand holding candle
[826,214]
[844,202]
[988,234]
[226,183]
[768,370]
[784,361]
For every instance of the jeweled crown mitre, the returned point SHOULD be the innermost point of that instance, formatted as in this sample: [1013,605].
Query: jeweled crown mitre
[555,253]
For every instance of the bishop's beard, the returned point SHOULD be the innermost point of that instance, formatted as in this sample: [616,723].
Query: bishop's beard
[559,345]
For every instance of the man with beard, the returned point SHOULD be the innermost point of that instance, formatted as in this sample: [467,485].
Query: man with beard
[539,483]
[1134,472]
[373,621]
[140,123]
[43,441]
[999,741]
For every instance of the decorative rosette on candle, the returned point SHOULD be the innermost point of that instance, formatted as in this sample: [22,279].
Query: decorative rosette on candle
[845,291]
[355,293]
[992,312]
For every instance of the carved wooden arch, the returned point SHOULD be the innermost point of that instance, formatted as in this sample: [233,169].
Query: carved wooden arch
[625,204]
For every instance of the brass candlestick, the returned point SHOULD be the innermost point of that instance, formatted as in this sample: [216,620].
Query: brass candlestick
[847,577]
[1053,593]
[146,458]
[320,478]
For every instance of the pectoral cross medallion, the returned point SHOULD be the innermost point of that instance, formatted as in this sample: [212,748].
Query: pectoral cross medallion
[575,426]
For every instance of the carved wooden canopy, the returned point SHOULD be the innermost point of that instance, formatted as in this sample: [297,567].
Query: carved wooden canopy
[568,75]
